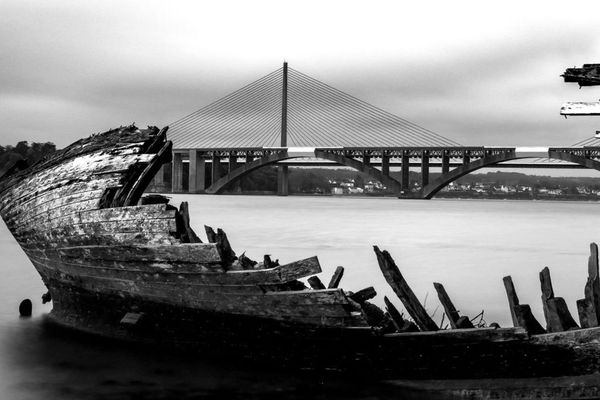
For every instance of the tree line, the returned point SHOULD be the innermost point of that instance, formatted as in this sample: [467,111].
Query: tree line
[32,152]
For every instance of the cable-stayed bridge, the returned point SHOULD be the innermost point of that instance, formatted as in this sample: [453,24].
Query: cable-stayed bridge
[288,118]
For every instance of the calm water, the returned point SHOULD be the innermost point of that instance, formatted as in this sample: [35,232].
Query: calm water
[466,245]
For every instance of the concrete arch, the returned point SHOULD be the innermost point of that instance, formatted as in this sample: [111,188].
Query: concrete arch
[220,184]
[435,186]
[373,172]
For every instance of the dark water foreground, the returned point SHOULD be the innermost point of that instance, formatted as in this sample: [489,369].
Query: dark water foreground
[51,362]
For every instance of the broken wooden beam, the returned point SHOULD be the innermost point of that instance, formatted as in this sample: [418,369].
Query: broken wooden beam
[395,279]
[316,283]
[513,300]
[521,313]
[363,295]
[211,236]
[589,307]
[336,278]
[450,310]
[187,233]
[557,315]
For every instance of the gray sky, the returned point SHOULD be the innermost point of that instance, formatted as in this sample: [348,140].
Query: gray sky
[481,73]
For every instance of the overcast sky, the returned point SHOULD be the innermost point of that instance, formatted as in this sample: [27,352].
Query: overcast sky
[478,73]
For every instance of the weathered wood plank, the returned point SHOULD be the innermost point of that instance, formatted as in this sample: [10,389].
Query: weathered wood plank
[39,199]
[336,278]
[525,319]
[449,308]
[43,240]
[521,313]
[590,304]
[52,209]
[466,335]
[196,253]
[363,295]
[395,315]
[513,299]
[315,283]
[557,315]
[91,218]
[160,225]
[279,305]
[202,259]
[402,289]
[189,235]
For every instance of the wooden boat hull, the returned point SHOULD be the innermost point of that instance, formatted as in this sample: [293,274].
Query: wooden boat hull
[119,265]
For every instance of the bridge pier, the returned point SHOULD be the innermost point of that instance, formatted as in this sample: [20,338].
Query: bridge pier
[282,180]
[177,173]
[197,172]
[385,164]
[217,169]
[424,168]
[445,162]
[405,170]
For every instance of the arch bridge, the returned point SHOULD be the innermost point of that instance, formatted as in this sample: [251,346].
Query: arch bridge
[287,117]
[211,171]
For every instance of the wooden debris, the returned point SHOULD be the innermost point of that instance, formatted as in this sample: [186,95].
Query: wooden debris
[187,233]
[521,313]
[246,262]
[557,315]
[220,238]
[589,307]
[316,283]
[373,314]
[211,236]
[400,286]
[513,300]
[450,310]
[268,263]
[402,325]
[336,278]
[363,295]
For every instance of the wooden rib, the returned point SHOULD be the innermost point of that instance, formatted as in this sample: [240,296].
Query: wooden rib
[190,236]
[400,286]
[557,315]
[513,300]
[449,308]
[523,317]
[162,157]
[336,278]
[589,306]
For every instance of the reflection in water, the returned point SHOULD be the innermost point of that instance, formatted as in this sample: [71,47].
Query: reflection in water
[48,362]
[467,245]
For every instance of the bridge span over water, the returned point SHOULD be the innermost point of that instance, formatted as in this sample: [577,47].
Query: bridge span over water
[289,119]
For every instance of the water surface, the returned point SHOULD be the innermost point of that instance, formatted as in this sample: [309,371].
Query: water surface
[466,245]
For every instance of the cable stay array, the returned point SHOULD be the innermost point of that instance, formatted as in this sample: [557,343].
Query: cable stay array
[318,115]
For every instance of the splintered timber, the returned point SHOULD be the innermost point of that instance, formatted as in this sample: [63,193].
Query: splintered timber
[126,265]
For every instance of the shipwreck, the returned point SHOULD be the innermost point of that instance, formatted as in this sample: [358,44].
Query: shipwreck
[128,265]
